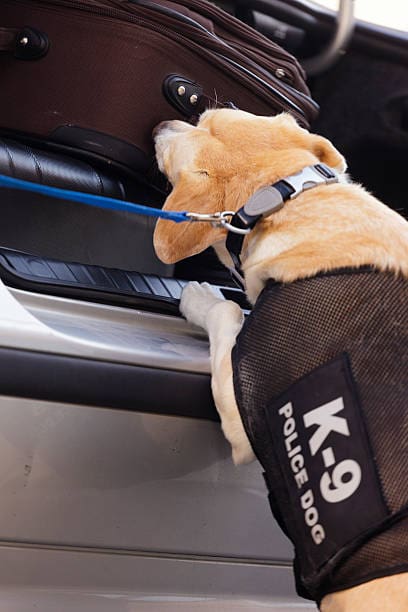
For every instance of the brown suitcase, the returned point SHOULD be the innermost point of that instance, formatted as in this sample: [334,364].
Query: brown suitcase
[98,75]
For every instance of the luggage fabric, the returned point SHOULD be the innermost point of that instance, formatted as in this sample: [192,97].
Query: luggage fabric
[98,75]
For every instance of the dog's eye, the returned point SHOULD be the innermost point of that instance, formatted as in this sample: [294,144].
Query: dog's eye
[202,172]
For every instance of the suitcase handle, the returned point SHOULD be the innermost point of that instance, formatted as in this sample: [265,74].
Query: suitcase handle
[25,43]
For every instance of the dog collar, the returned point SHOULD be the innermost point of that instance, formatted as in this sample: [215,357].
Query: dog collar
[269,200]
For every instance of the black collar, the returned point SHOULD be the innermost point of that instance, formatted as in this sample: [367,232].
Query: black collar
[267,201]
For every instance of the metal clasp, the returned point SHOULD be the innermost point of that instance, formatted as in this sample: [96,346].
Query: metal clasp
[218,219]
[310,177]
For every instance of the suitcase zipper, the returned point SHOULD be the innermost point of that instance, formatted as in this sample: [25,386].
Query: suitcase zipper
[272,94]
[256,42]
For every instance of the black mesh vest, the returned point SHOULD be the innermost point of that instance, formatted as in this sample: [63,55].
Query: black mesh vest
[321,381]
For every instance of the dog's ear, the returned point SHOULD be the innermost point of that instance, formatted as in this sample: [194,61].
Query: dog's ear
[327,153]
[176,241]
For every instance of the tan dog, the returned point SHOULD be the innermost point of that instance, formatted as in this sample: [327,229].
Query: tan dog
[216,166]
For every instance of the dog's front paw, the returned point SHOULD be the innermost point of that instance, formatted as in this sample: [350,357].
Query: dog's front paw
[196,302]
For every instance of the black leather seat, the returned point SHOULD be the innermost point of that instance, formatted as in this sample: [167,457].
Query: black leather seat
[68,231]
[24,162]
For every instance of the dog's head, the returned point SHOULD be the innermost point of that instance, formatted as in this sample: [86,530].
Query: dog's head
[219,163]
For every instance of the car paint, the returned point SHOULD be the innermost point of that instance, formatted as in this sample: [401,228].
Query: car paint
[111,491]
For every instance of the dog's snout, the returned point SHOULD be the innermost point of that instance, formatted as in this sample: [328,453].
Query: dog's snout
[160,127]
[172,127]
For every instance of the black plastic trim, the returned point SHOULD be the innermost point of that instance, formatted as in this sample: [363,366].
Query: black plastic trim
[97,283]
[31,44]
[181,102]
[89,282]
[75,380]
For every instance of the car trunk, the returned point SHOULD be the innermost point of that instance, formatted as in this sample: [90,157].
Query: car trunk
[364,112]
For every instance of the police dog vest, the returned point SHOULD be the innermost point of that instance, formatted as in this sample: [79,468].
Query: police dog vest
[321,381]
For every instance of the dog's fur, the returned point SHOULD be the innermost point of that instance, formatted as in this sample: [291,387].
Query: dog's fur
[217,165]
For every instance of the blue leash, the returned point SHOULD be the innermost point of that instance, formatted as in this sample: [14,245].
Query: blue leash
[93,200]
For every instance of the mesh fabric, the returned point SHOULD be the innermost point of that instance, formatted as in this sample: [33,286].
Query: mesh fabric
[296,328]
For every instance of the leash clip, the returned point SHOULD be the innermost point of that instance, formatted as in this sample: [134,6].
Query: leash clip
[217,219]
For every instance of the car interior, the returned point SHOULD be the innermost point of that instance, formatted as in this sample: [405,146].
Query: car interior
[356,73]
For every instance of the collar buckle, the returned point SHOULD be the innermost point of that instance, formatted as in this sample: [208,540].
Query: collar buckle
[269,200]
[310,177]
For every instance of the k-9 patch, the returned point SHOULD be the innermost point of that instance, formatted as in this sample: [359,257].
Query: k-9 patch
[321,444]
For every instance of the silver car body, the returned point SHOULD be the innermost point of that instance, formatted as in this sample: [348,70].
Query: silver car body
[120,510]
